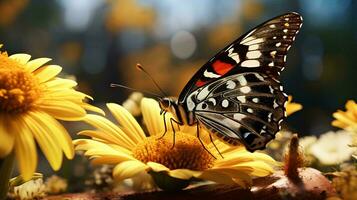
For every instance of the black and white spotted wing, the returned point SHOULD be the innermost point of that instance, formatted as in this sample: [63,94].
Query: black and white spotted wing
[262,49]
[246,107]
[237,94]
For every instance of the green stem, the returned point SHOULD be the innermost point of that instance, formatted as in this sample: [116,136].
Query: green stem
[6,165]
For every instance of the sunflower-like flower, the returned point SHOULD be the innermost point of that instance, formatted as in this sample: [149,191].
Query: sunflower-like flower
[32,98]
[347,119]
[133,152]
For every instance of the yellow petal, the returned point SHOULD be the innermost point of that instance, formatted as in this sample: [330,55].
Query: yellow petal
[36,63]
[351,106]
[152,118]
[227,150]
[25,149]
[47,72]
[340,115]
[60,83]
[216,176]
[157,167]
[21,58]
[92,108]
[58,131]
[64,110]
[100,135]
[7,138]
[128,121]
[234,158]
[239,177]
[108,127]
[259,168]
[46,142]
[121,149]
[292,107]
[226,162]
[151,114]
[109,160]
[95,148]
[234,173]
[128,169]
[184,174]
[339,124]
[64,94]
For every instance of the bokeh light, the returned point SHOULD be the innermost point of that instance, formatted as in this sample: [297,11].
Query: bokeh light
[183,44]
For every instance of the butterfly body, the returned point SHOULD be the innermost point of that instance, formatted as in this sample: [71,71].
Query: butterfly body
[237,94]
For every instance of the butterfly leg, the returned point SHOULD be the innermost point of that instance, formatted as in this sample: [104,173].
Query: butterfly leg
[173,129]
[164,119]
[199,139]
[211,139]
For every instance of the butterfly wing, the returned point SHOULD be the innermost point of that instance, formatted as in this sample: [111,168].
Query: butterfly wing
[246,107]
[237,94]
[263,49]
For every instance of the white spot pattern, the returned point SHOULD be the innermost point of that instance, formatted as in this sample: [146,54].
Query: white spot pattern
[275,104]
[203,94]
[259,77]
[225,103]
[242,99]
[253,54]
[233,55]
[231,84]
[255,41]
[242,81]
[253,47]
[213,100]
[247,39]
[210,74]
[273,53]
[245,89]
[250,63]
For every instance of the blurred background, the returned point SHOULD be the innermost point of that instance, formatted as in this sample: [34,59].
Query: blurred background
[100,41]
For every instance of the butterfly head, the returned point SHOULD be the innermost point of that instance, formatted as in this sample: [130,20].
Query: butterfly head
[167,104]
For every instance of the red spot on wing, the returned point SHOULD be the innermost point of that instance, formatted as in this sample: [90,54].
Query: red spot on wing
[221,68]
[199,83]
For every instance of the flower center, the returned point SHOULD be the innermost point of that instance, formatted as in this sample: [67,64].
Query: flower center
[187,153]
[18,87]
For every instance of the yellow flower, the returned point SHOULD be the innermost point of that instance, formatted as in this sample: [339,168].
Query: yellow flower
[32,98]
[126,146]
[292,107]
[347,119]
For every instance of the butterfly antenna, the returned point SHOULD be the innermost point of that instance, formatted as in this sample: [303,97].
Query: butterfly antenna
[139,67]
[133,89]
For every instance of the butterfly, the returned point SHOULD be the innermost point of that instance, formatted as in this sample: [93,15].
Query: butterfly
[237,94]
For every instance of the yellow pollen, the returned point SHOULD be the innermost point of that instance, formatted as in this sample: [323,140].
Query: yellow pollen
[19,89]
[187,153]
